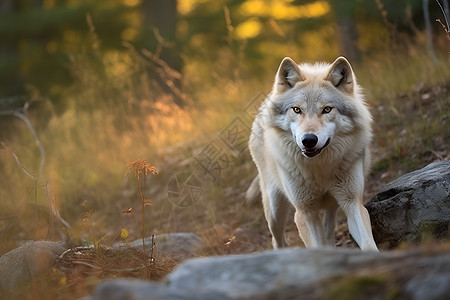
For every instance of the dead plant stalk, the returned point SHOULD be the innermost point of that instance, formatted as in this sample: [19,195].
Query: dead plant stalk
[139,167]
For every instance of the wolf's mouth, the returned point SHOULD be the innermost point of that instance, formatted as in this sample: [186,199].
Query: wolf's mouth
[311,152]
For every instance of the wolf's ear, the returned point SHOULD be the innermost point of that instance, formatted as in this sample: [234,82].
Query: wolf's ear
[288,75]
[341,75]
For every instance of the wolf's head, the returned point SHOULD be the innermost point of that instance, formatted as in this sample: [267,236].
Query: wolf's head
[319,104]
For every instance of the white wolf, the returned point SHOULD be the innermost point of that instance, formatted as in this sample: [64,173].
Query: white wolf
[310,143]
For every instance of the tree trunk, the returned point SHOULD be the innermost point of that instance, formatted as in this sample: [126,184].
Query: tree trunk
[348,36]
[159,37]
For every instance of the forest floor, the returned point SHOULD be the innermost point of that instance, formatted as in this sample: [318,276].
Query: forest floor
[411,130]
[408,135]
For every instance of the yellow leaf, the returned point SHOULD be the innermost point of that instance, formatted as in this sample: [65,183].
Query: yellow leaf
[63,281]
[124,233]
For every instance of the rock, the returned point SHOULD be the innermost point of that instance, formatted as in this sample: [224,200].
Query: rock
[26,264]
[128,289]
[298,273]
[178,245]
[416,204]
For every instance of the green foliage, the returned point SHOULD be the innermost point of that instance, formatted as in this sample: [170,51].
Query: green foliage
[38,39]
[41,23]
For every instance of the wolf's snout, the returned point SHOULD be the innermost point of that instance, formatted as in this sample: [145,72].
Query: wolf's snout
[309,140]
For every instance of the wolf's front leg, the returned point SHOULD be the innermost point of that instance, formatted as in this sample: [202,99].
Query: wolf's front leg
[348,193]
[359,224]
[310,228]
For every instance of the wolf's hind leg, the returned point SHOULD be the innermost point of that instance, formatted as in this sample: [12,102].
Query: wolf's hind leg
[276,210]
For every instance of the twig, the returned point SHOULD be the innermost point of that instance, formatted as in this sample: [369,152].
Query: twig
[445,16]
[22,167]
[443,26]
[82,248]
[228,22]
[447,33]
[153,248]
[54,213]
[93,266]
[439,156]
[446,29]
[141,197]
[27,121]
[127,270]
[24,118]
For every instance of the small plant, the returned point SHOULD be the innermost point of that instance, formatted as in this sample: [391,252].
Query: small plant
[87,218]
[139,167]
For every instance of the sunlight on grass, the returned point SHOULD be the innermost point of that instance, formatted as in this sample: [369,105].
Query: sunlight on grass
[248,29]
[132,2]
[281,10]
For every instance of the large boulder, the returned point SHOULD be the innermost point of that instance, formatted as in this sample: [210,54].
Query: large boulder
[298,273]
[414,206]
[27,265]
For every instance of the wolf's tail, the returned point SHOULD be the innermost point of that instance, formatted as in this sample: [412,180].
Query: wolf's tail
[253,192]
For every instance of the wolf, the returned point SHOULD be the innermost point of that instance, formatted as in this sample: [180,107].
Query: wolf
[310,142]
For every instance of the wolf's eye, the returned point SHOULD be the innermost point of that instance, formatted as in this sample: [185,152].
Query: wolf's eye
[326,109]
[297,110]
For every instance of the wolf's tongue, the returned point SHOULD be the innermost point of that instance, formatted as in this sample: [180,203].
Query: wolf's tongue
[313,152]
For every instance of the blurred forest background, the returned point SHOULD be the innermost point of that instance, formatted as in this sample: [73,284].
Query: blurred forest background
[87,86]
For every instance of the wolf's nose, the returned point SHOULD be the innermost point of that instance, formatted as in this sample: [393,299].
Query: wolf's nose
[309,140]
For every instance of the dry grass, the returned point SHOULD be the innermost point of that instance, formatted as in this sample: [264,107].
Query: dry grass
[80,269]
